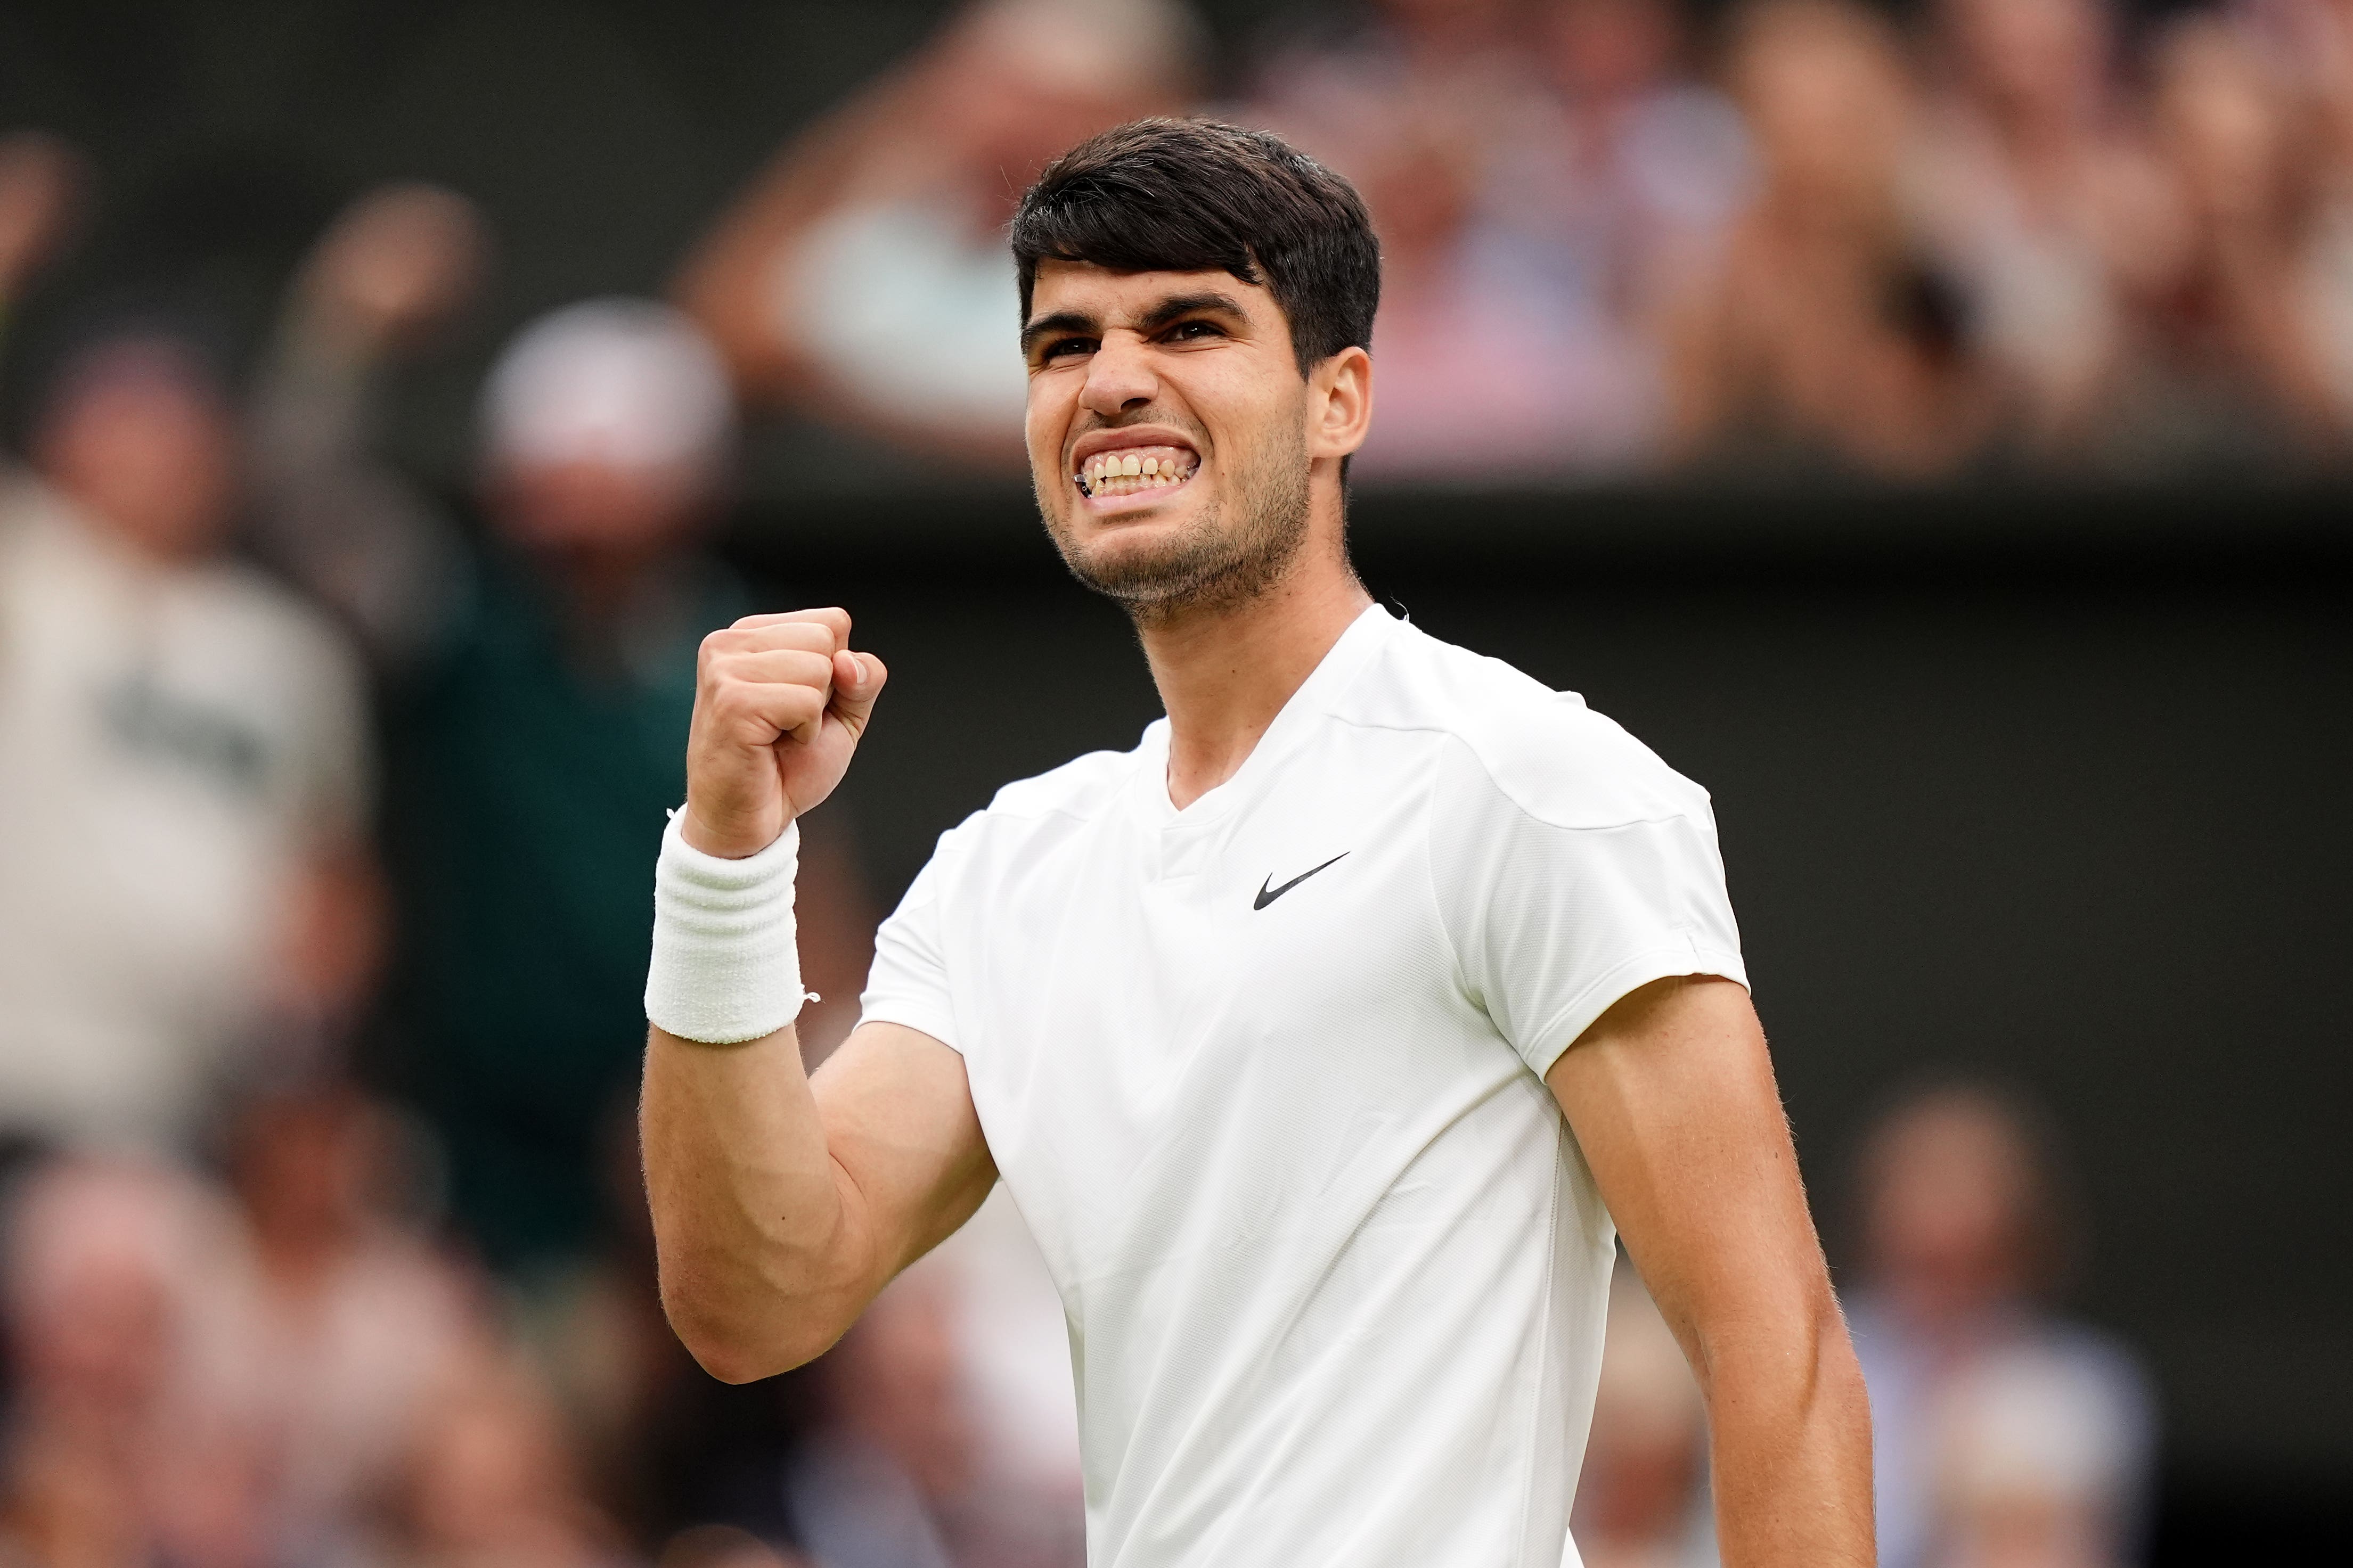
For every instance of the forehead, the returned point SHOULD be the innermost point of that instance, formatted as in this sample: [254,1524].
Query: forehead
[1081,288]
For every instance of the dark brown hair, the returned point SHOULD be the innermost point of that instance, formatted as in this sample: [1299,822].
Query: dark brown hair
[1198,196]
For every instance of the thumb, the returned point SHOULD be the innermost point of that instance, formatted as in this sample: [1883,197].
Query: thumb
[857,680]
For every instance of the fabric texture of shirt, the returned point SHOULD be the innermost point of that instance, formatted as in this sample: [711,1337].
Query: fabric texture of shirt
[1264,1076]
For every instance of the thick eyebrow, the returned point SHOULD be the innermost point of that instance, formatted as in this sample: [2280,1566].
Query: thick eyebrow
[1152,320]
[1177,305]
[1076,322]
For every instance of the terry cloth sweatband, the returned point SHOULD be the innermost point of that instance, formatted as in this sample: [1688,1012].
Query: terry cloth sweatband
[727,965]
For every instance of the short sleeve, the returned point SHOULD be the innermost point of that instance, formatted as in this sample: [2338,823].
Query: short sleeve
[909,982]
[1559,898]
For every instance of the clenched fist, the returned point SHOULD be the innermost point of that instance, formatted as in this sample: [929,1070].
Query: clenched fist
[779,703]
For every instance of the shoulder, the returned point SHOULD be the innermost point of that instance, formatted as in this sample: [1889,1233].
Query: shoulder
[1083,787]
[1509,737]
[1046,804]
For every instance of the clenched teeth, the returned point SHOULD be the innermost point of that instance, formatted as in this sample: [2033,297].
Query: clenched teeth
[1134,469]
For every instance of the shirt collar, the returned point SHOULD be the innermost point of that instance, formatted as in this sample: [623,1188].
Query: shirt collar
[1331,674]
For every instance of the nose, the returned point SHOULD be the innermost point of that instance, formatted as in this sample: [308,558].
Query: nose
[1118,375]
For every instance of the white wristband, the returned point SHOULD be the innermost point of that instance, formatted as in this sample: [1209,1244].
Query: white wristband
[727,965]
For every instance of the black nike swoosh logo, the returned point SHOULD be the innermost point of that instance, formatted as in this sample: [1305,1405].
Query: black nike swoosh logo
[1265,897]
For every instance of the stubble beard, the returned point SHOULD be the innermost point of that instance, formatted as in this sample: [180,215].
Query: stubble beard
[1208,568]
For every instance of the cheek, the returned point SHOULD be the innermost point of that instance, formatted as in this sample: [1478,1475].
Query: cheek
[1046,419]
[1255,421]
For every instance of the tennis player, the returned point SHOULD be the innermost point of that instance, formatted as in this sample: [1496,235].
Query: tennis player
[1328,1041]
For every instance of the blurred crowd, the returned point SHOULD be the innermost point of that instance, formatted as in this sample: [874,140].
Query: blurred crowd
[1998,237]
[328,796]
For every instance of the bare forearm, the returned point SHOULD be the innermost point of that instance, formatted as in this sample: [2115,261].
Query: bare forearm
[780,1205]
[1672,1096]
[1790,1439]
[749,1223]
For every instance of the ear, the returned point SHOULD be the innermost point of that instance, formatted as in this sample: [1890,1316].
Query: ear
[1339,404]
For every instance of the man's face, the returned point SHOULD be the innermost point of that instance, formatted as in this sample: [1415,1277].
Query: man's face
[1167,429]
[146,453]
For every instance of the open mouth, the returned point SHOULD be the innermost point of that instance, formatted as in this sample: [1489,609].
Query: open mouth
[1135,470]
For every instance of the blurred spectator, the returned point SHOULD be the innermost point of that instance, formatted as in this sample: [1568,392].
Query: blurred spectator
[1492,365]
[42,180]
[1822,330]
[2003,1437]
[1642,1497]
[864,278]
[1458,57]
[2035,1450]
[539,682]
[874,1484]
[210,1392]
[1485,371]
[488,1482]
[2045,196]
[384,281]
[118,1295]
[1620,187]
[351,1320]
[2309,44]
[945,1433]
[1642,166]
[2231,364]
[183,775]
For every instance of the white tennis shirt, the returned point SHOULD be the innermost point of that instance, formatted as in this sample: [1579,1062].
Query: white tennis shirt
[1264,1076]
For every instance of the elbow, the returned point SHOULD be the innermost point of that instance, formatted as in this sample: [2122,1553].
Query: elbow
[736,1344]
[731,1360]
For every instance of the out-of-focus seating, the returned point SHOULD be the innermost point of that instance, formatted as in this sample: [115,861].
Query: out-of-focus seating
[185,769]
[2005,1436]
[864,279]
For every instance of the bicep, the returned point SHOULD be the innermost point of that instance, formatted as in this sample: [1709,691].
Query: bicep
[906,1143]
[1672,1096]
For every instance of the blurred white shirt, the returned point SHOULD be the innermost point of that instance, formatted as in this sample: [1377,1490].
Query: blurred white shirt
[2032,1410]
[172,743]
[913,313]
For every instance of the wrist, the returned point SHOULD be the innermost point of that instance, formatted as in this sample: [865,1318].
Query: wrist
[725,967]
[734,841]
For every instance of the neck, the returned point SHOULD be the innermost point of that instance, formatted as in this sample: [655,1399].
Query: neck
[1223,675]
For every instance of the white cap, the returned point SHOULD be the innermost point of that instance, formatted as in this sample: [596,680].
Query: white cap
[631,383]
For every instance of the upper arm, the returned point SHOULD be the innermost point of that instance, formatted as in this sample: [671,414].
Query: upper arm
[730,283]
[1672,1096]
[909,1158]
